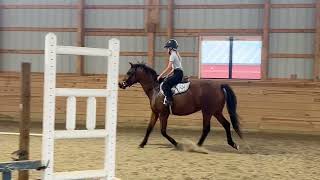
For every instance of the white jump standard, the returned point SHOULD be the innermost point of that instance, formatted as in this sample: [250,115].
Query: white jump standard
[50,93]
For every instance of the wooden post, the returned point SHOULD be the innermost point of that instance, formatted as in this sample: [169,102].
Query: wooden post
[151,25]
[80,37]
[317,43]
[170,18]
[151,48]
[25,118]
[265,40]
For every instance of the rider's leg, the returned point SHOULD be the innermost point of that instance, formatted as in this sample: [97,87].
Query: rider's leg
[169,83]
[166,87]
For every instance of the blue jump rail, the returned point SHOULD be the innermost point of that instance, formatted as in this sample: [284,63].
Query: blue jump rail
[7,167]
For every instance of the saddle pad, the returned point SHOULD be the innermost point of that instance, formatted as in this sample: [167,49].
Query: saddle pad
[178,89]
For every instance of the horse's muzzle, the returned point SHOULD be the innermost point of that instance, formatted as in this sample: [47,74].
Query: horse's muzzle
[123,85]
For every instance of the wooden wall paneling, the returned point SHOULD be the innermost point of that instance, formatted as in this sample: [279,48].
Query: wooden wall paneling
[265,105]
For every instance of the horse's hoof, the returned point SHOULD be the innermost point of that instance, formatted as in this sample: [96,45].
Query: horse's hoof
[179,146]
[141,146]
[237,147]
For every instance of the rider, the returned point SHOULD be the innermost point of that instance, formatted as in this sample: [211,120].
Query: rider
[174,66]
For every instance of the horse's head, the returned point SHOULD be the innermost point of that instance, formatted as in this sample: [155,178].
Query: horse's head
[130,77]
[133,76]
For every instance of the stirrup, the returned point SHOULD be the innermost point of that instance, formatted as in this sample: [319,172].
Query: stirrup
[167,102]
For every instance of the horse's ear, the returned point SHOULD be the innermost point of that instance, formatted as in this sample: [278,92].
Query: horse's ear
[131,64]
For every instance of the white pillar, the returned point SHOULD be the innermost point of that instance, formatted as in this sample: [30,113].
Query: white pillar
[111,117]
[91,113]
[71,113]
[49,100]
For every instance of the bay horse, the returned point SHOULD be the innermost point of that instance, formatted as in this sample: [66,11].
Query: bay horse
[205,95]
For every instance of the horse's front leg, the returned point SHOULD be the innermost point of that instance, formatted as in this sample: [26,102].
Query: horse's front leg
[163,122]
[152,122]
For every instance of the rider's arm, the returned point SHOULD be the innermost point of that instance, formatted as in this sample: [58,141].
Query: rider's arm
[168,68]
[171,72]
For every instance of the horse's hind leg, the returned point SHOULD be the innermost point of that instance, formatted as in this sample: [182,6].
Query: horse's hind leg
[163,122]
[226,126]
[206,127]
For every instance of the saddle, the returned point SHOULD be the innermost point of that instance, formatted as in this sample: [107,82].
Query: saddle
[182,87]
[185,79]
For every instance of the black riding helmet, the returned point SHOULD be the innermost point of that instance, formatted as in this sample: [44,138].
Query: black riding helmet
[172,44]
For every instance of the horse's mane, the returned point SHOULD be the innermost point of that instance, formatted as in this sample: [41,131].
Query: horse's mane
[146,69]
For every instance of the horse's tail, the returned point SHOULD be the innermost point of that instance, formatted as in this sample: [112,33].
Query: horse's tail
[231,100]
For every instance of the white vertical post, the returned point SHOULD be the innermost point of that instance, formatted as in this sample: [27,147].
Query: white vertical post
[71,113]
[111,117]
[49,105]
[91,113]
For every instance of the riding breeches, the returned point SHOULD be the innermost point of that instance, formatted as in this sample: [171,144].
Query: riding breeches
[169,82]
